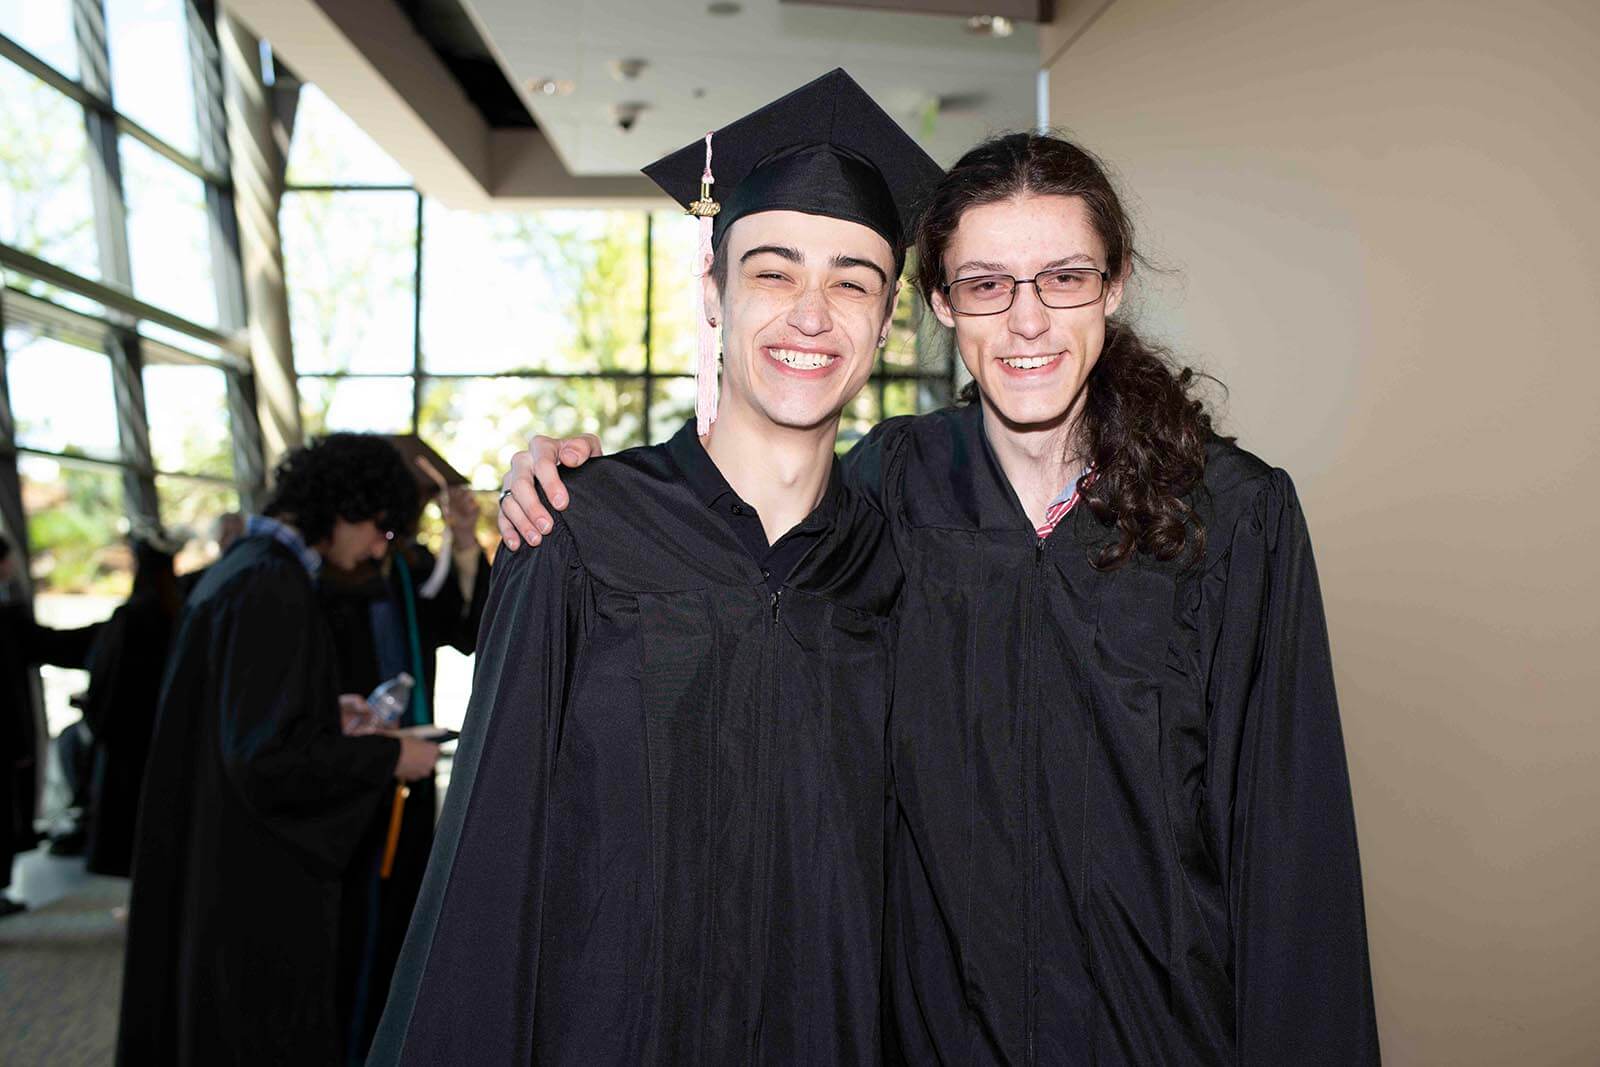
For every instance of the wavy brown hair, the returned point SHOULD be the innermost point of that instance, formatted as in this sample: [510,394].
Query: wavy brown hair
[1141,427]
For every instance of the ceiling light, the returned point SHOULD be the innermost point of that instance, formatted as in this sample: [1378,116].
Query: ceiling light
[626,114]
[990,26]
[549,87]
[626,70]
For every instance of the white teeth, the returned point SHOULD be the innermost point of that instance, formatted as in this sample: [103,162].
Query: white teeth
[801,360]
[1029,362]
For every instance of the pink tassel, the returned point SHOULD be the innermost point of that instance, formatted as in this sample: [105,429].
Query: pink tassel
[705,372]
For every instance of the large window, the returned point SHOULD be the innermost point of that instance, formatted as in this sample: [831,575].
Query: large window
[351,275]
[46,204]
[122,371]
[475,328]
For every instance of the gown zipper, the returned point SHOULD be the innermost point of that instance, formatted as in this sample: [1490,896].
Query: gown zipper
[1030,776]
[765,750]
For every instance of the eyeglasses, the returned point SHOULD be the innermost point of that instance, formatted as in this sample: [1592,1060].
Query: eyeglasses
[990,294]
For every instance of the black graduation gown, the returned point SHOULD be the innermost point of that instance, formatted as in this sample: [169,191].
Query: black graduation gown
[124,686]
[376,911]
[252,806]
[1124,828]
[24,644]
[663,838]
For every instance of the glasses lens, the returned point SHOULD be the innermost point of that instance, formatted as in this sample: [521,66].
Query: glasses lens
[1069,288]
[981,296]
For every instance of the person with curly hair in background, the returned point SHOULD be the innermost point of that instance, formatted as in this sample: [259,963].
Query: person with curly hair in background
[255,797]
[1123,830]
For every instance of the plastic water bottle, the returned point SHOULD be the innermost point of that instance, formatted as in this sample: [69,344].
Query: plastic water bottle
[391,699]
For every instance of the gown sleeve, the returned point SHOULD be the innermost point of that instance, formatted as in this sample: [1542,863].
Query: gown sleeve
[454,617]
[865,467]
[439,617]
[1302,982]
[59,648]
[463,990]
[281,746]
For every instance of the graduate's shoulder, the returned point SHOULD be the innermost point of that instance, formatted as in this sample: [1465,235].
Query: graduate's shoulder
[941,429]
[633,523]
[257,576]
[946,428]
[863,459]
[1239,487]
[915,453]
[255,566]
[608,490]
[1235,475]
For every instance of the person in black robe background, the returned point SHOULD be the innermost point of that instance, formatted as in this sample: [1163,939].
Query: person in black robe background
[663,837]
[130,659]
[383,622]
[254,798]
[24,645]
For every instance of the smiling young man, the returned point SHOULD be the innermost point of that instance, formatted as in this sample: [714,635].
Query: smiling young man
[664,835]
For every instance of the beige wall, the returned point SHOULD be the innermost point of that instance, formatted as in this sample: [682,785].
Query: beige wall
[1385,219]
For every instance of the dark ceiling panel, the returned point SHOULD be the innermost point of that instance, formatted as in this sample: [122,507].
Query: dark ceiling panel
[1021,10]
[455,40]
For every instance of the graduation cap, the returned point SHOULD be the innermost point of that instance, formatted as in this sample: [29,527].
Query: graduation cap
[432,473]
[419,457]
[825,149]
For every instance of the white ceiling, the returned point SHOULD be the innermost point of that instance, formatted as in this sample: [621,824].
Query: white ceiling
[706,70]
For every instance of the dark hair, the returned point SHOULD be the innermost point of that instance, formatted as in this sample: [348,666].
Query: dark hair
[350,476]
[154,577]
[1141,427]
[5,547]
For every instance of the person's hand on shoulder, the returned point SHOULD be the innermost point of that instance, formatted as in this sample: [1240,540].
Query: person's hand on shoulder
[523,518]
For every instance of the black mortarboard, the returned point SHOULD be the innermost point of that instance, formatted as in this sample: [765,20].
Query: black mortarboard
[433,474]
[412,449]
[825,149]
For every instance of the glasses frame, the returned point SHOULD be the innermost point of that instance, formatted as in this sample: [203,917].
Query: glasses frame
[1017,283]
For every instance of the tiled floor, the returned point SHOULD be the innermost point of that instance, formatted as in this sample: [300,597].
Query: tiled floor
[60,964]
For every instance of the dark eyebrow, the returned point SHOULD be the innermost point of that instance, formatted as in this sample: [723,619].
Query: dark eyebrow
[843,262]
[1066,261]
[1001,268]
[784,251]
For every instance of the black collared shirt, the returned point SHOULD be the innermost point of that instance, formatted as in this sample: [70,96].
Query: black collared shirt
[776,561]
